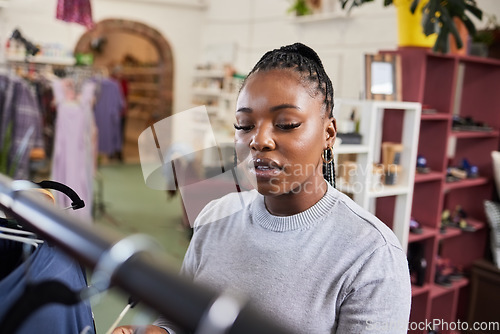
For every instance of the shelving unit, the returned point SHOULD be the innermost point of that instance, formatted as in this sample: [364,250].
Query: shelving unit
[372,117]
[217,91]
[463,86]
[49,60]
[145,87]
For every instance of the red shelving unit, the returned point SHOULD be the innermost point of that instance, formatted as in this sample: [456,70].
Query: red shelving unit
[467,87]
[431,176]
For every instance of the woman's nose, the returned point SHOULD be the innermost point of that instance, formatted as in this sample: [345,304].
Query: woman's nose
[262,140]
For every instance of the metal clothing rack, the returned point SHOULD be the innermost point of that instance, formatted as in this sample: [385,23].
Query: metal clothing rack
[129,264]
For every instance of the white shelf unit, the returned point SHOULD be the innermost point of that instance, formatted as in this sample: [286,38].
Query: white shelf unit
[371,114]
[49,60]
[217,91]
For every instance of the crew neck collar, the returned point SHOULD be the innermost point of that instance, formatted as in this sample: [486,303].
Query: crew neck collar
[300,221]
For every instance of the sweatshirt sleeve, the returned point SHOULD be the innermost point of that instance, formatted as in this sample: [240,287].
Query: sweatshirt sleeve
[379,297]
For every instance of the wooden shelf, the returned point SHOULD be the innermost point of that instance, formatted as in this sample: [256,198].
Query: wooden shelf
[450,233]
[435,117]
[480,60]
[427,233]
[474,134]
[418,290]
[143,100]
[143,86]
[141,70]
[438,290]
[476,223]
[455,231]
[460,85]
[432,176]
[465,183]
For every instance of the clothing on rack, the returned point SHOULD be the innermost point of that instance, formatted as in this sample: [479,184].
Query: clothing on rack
[74,155]
[108,109]
[20,126]
[77,11]
[47,263]
[45,97]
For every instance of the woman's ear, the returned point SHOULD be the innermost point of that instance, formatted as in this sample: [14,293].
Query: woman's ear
[330,132]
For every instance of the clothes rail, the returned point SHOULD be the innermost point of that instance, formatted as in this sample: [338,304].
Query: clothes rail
[128,266]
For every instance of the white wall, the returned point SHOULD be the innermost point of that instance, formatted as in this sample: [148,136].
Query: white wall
[250,26]
[179,21]
[256,26]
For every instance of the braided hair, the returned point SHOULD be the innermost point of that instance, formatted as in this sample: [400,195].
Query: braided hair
[306,62]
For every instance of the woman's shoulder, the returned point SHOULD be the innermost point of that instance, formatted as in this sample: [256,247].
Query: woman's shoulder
[361,223]
[225,206]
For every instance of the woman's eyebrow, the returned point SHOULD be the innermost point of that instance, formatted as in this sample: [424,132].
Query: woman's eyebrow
[285,106]
[274,108]
[244,109]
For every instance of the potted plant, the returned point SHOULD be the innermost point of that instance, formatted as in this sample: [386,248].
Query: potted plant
[300,7]
[490,37]
[438,16]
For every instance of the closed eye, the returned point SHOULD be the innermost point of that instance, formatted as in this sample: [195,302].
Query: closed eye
[243,127]
[288,126]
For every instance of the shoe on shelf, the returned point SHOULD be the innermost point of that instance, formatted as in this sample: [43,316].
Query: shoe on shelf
[459,220]
[415,227]
[422,167]
[471,170]
[468,124]
[445,221]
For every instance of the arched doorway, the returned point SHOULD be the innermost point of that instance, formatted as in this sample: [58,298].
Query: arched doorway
[144,58]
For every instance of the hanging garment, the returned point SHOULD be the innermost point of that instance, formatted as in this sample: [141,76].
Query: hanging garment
[47,263]
[20,126]
[108,109]
[73,162]
[77,11]
[45,97]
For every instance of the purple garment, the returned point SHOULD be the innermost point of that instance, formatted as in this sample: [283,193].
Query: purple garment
[78,11]
[73,162]
[19,110]
[108,108]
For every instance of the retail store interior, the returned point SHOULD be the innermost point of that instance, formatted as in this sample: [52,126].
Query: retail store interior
[418,131]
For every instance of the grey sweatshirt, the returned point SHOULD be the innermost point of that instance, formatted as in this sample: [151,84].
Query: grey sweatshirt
[334,268]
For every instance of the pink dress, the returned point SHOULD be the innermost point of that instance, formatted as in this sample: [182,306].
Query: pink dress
[73,161]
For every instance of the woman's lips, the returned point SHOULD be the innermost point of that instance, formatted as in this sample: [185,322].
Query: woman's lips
[264,168]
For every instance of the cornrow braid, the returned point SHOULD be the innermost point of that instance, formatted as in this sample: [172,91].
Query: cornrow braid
[304,60]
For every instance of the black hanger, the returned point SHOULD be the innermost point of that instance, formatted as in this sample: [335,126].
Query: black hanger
[77,203]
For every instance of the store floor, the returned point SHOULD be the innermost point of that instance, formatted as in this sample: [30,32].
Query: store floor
[129,207]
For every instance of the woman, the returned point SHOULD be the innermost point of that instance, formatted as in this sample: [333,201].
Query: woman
[304,253]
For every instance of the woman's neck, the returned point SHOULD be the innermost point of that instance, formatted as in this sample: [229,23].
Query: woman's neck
[296,201]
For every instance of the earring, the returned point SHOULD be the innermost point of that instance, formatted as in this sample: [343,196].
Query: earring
[331,155]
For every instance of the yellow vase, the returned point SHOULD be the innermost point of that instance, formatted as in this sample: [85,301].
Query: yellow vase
[410,31]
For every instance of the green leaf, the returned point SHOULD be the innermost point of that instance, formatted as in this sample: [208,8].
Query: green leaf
[475,11]
[470,26]
[447,20]
[442,44]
